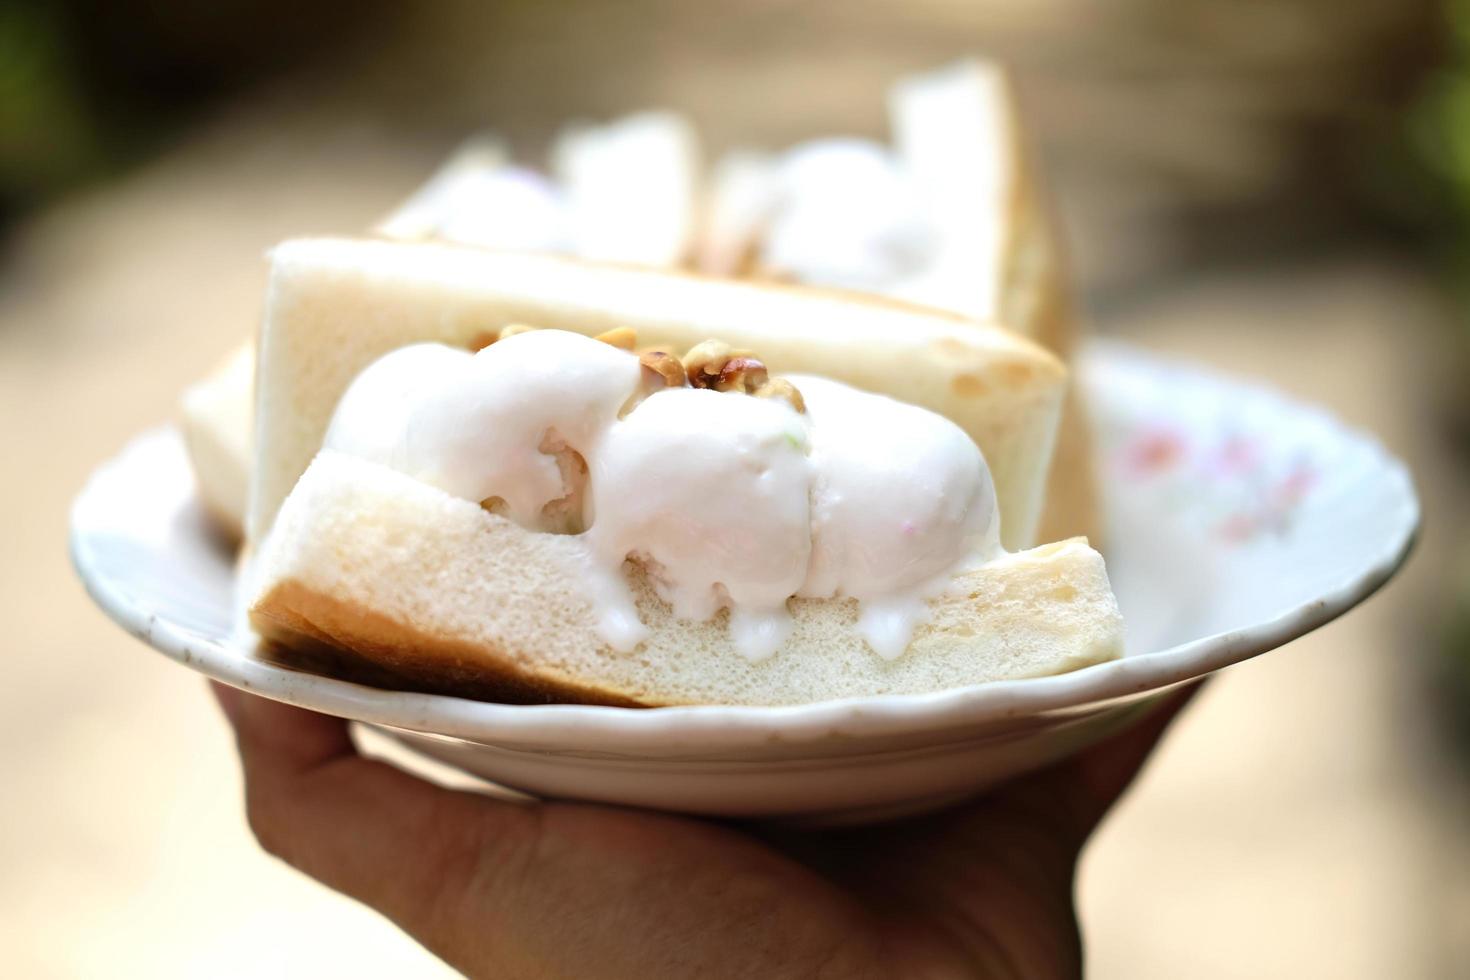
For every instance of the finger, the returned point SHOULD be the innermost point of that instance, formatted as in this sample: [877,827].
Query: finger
[1088,785]
[408,848]
[1106,771]
[288,738]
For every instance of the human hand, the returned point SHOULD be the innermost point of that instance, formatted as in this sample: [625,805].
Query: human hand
[576,890]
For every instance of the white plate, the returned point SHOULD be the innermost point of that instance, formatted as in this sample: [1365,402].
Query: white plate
[1238,520]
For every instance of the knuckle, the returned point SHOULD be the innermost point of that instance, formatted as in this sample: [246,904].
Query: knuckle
[263,815]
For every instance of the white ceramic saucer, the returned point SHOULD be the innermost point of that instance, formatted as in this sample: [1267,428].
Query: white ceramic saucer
[1237,521]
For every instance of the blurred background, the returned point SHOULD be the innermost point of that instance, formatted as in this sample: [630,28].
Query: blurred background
[1276,188]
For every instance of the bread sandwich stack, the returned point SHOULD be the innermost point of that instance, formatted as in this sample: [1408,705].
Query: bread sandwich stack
[415,387]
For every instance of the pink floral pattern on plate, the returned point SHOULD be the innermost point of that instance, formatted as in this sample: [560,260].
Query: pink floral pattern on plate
[1235,483]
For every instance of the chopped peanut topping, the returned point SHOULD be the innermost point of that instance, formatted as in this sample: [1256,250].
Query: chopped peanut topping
[510,330]
[663,366]
[485,338]
[713,364]
[781,388]
[622,337]
[709,364]
[742,374]
[705,360]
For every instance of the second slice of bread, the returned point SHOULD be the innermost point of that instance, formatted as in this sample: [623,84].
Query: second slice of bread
[336,305]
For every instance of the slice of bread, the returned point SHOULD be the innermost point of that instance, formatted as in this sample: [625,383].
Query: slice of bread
[335,305]
[216,417]
[959,129]
[438,594]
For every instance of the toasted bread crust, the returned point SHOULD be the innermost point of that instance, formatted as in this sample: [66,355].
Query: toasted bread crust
[410,659]
[378,578]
